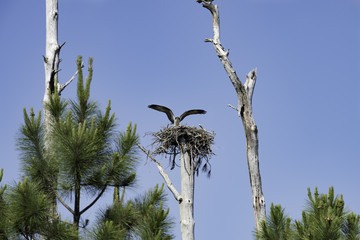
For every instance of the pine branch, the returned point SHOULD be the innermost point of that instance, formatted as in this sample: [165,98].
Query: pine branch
[93,202]
[62,202]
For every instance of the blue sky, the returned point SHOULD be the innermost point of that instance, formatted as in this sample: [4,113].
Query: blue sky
[305,103]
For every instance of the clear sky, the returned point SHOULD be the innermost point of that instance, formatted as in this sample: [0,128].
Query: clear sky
[305,103]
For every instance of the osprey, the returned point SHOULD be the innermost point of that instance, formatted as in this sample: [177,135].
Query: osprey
[175,120]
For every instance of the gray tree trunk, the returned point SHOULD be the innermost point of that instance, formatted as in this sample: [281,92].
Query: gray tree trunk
[244,93]
[187,223]
[51,61]
[51,64]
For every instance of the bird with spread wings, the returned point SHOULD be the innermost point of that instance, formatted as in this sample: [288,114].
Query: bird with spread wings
[175,120]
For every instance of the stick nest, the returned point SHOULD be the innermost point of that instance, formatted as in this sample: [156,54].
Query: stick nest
[197,141]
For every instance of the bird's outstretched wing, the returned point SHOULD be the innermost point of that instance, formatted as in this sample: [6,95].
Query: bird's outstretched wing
[193,111]
[166,110]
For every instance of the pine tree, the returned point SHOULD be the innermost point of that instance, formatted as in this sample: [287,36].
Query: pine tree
[276,226]
[83,150]
[85,155]
[141,218]
[25,213]
[3,210]
[153,221]
[324,218]
[351,228]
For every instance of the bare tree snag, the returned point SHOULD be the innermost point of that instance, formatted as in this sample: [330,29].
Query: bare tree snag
[51,64]
[51,60]
[244,93]
[193,144]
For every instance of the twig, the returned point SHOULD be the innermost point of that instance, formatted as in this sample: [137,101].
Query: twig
[231,106]
[236,109]
[61,87]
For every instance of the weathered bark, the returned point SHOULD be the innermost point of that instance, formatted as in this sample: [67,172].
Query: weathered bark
[187,223]
[244,93]
[51,63]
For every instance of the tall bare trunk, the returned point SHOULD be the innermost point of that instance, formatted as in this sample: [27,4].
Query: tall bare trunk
[51,61]
[187,223]
[192,143]
[244,93]
[51,64]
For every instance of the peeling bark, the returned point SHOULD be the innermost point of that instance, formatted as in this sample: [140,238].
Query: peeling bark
[244,93]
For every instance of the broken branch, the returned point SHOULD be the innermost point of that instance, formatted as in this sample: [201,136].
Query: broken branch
[61,87]
[165,176]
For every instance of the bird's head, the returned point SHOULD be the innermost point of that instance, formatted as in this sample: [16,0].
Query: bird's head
[177,121]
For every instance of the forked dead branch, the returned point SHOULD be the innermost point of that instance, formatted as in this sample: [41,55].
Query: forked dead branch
[197,141]
[244,93]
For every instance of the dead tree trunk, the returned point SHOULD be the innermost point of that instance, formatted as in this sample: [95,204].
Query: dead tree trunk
[244,93]
[51,64]
[194,146]
[187,223]
[51,61]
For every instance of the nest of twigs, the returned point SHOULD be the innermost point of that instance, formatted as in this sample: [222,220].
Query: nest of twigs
[197,141]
